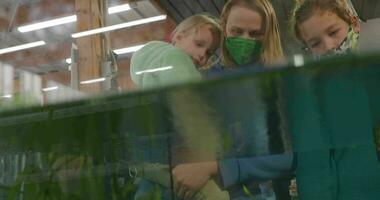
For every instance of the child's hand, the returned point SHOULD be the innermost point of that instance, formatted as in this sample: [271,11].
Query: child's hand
[190,178]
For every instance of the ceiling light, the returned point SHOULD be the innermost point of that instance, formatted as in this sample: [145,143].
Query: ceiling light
[128,49]
[154,70]
[50,89]
[93,81]
[46,24]
[119,26]
[21,47]
[118,51]
[117,9]
[7,96]
[66,20]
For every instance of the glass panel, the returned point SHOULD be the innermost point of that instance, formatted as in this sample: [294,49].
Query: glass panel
[320,119]
[76,124]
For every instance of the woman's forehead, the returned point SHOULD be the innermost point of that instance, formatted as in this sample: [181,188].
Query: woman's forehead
[243,13]
[245,18]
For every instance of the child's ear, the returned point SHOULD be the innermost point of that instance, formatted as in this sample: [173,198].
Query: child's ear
[179,37]
[174,39]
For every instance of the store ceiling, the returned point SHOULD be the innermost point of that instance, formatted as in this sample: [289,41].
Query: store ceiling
[51,58]
[180,9]
[14,13]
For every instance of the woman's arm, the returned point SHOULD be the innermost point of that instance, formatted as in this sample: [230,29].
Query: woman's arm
[238,170]
[193,176]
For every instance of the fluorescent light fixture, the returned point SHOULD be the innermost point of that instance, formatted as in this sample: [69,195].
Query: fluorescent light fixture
[93,81]
[119,51]
[128,49]
[117,9]
[46,24]
[50,88]
[66,20]
[119,26]
[8,96]
[154,70]
[21,47]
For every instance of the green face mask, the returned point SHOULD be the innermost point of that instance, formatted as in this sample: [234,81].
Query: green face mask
[243,50]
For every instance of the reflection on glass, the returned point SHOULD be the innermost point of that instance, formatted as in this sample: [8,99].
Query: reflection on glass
[273,133]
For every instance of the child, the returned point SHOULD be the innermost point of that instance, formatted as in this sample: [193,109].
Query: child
[160,64]
[326,26]
[330,27]
[193,43]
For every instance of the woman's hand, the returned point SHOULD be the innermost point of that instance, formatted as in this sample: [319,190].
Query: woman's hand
[190,178]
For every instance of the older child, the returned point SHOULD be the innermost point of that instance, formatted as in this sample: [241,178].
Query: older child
[160,63]
[326,26]
[330,27]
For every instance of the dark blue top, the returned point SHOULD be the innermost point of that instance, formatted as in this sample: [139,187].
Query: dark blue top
[245,114]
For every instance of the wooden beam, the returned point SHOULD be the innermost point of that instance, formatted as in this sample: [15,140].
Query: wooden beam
[91,49]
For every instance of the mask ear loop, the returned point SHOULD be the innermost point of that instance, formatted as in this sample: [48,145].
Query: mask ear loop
[350,28]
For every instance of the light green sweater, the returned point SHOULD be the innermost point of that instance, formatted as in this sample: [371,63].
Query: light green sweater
[176,66]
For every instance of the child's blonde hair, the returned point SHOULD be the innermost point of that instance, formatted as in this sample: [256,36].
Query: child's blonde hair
[272,50]
[196,21]
[305,9]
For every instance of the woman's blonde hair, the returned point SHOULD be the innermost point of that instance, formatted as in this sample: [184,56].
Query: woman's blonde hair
[305,9]
[196,21]
[272,50]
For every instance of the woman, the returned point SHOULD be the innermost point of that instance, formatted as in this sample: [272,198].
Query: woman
[250,35]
